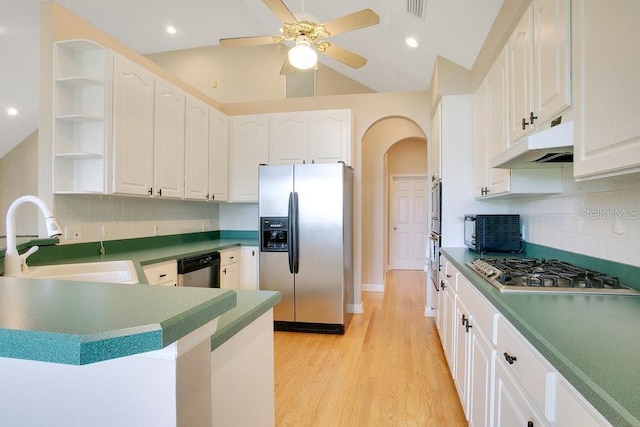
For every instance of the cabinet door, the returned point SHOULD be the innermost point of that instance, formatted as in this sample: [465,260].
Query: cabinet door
[249,148]
[218,155]
[133,99]
[435,148]
[606,88]
[551,58]
[499,180]
[197,150]
[512,407]
[288,138]
[168,148]
[520,48]
[249,268]
[480,151]
[480,378]
[330,136]
[450,340]
[462,354]
[230,276]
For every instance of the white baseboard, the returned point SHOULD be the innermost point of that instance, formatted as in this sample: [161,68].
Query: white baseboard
[429,312]
[355,308]
[373,287]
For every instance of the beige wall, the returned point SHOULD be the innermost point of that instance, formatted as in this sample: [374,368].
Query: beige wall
[18,177]
[408,156]
[245,74]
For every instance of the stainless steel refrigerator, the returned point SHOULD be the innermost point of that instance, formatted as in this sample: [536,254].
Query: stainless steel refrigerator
[306,244]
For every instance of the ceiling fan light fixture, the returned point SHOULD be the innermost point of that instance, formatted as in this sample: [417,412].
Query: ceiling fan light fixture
[302,55]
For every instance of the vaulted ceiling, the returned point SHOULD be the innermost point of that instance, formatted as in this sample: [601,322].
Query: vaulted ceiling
[454,29]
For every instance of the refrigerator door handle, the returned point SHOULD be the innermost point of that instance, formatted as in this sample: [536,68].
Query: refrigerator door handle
[294,233]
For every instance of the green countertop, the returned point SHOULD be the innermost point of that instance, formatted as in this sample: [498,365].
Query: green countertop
[250,306]
[79,323]
[592,340]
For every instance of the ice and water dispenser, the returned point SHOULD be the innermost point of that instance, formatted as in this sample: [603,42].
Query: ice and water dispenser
[274,234]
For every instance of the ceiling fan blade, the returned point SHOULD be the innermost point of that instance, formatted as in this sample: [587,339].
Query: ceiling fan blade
[345,56]
[354,21]
[247,41]
[287,68]
[281,10]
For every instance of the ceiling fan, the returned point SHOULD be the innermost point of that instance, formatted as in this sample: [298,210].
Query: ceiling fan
[309,37]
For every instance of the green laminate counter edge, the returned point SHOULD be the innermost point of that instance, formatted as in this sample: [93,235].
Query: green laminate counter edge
[592,340]
[79,323]
[250,306]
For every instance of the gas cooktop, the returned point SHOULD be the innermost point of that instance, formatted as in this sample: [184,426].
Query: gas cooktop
[541,275]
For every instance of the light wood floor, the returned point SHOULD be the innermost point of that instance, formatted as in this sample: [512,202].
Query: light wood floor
[387,370]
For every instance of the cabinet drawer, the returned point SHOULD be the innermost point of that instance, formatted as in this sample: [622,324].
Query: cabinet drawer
[529,367]
[482,311]
[229,256]
[162,273]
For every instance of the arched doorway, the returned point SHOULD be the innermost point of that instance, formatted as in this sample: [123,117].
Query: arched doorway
[376,142]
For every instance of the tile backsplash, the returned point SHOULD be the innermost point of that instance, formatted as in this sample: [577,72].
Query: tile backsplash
[599,218]
[88,218]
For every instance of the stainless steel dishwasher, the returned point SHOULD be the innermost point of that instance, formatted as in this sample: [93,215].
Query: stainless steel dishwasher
[201,271]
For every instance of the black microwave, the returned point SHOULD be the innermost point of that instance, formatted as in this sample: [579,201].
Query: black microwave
[492,233]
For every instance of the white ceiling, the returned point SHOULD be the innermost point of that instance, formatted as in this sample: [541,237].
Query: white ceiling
[454,29]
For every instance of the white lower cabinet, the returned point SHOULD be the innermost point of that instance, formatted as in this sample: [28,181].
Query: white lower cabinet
[573,410]
[512,405]
[164,273]
[502,380]
[249,268]
[230,268]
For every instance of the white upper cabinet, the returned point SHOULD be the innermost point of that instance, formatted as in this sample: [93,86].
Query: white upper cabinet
[330,136]
[490,131]
[218,156]
[197,150]
[606,40]
[310,137]
[539,66]
[133,101]
[249,148]
[168,141]
[288,138]
[435,146]
[551,58]
[82,107]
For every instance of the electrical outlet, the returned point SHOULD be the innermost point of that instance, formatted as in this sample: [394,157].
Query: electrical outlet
[72,233]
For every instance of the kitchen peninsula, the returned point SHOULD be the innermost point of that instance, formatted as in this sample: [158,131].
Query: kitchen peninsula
[82,353]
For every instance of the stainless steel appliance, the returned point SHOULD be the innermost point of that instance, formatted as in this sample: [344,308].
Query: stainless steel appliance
[541,275]
[200,271]
[305,244]
[435,235]
[492,233]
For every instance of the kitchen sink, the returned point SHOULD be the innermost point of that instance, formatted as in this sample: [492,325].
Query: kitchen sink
[108,272]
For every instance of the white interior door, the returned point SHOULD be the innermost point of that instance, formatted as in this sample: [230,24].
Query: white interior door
[408,222]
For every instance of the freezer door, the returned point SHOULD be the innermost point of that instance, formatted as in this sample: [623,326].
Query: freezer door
[320,291]
[275,276]
[275,183]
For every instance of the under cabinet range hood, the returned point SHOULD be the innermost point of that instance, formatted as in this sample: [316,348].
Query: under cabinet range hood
[551,147]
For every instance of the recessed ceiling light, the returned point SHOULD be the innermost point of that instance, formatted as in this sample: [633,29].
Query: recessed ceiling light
[12,111]
[411,41]
[171,29]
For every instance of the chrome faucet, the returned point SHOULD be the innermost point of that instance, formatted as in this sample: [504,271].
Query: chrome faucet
[14,263]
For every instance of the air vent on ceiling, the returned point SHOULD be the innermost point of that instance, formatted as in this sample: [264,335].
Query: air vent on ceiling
[417,8]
